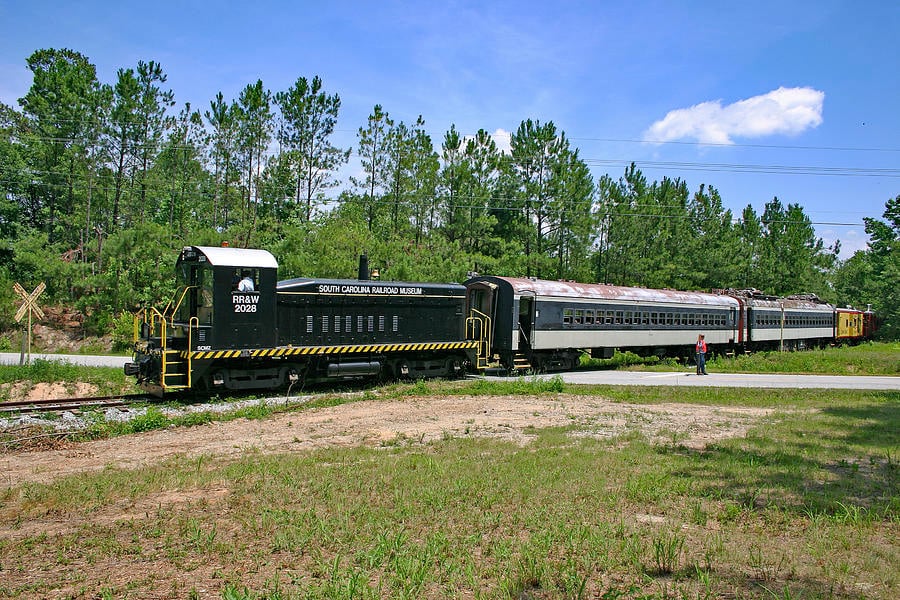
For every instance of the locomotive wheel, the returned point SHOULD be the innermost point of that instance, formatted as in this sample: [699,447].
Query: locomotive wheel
[454,367]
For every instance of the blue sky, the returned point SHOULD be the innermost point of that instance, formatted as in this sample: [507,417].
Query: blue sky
[722,93]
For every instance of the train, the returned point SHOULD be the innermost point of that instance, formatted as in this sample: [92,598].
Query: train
[232,325]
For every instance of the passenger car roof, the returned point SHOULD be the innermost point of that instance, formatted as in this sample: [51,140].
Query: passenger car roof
[600,291]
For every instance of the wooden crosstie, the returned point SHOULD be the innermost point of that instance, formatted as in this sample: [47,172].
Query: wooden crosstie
[29,307]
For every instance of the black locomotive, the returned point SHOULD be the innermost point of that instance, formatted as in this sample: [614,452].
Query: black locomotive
[232,325]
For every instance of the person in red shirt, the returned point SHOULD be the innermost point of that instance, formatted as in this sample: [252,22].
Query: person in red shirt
[701,355]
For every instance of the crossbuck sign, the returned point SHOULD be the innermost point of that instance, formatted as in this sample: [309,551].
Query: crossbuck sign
[29,307]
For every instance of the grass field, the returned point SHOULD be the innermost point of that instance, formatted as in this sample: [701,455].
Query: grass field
[871,358]
[805,505]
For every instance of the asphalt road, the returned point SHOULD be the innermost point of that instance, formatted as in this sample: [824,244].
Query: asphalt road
[683,378]
[13,358]
[747,380]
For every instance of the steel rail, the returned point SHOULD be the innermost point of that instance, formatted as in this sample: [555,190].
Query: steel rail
[68,404]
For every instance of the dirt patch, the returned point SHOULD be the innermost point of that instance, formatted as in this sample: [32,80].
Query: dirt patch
[379,423]
[25,390]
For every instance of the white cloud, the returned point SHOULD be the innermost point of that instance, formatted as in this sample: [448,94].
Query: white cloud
[502,139]
[782,111]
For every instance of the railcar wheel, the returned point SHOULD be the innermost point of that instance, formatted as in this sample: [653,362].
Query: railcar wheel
[454,367]
[403,370]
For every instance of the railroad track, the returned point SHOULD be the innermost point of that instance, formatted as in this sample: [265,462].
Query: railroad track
[69,404]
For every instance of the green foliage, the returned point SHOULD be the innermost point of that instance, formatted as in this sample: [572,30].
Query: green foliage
[873,276]
[37,260]
[123,332]
[9,303]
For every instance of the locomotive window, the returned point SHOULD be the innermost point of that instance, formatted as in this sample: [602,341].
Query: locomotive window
[205,299]
[567,316]
[396,323]
[245,280]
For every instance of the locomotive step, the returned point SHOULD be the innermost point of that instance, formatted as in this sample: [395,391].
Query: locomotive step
[520,363]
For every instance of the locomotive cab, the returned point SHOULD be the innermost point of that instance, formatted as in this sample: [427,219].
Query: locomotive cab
[225,299]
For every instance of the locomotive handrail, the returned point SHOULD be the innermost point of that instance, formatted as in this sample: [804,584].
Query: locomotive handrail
[524,335]
[142,317]
[192,323]
[180,300]
[169,307]
[483,337]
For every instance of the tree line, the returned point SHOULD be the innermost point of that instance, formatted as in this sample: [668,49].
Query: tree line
[103,183]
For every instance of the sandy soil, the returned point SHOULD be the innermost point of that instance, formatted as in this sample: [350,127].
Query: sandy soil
[380,422]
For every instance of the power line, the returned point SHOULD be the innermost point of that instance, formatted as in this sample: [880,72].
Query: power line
[738,145]
[772,169]
[598,208]
[742,168]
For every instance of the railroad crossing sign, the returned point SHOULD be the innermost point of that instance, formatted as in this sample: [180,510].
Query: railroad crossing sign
[30,301]
[29,307]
